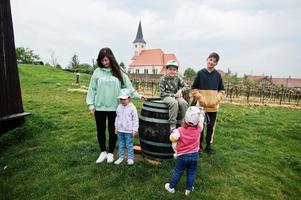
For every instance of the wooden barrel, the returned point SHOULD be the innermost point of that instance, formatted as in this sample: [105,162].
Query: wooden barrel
[154,130]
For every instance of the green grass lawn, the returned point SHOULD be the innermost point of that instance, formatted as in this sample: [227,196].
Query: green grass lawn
[52,156]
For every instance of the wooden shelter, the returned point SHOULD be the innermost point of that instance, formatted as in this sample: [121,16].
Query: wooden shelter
[11,108]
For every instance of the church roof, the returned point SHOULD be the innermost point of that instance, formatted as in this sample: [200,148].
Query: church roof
[139,35]
[152,57]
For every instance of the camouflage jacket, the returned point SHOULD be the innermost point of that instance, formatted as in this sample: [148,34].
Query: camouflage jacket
[169,86]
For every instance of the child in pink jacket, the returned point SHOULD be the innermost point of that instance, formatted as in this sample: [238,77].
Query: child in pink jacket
[187,148]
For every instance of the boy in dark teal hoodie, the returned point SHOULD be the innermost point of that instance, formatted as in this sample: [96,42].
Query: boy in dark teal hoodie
[208,90]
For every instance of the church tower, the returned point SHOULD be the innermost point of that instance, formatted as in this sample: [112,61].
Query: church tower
[139,43]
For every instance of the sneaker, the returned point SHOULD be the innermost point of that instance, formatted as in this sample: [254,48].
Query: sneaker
[110,158]
[117,162]
[187,192]
[208,150]
[130,161]
[102,157]
[170,190]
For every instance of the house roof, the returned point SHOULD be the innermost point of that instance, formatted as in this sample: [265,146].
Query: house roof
[256,78]
[288,82]
[152,57]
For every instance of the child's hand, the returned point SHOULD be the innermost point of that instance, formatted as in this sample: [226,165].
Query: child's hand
[179,94]
[116,131]
[134,133]
[201,100]
[143,98]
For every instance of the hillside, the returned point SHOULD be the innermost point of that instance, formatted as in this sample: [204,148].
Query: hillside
[52,156]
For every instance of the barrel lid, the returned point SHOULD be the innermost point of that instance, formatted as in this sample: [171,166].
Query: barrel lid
[155,102]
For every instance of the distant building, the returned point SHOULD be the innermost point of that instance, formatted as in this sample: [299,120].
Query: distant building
[286,82]
[148,61]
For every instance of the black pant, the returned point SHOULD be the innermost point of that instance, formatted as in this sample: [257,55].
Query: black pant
[100,117]
[210,128]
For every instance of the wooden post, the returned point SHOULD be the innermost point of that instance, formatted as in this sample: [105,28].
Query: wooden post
[297,97]
[77,78]
[248,94]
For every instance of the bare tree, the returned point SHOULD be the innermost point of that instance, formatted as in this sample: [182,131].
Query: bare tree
[94,65]
[53,59]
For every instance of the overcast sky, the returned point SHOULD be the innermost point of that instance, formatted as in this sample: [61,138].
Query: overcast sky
[252,36]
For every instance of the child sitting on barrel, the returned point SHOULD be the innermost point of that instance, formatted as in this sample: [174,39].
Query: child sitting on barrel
[187,140]
[171,87]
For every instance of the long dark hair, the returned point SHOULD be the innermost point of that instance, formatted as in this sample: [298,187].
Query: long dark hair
[107,52]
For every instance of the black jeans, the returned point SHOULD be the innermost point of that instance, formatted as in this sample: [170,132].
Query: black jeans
[100,117]
[210,128]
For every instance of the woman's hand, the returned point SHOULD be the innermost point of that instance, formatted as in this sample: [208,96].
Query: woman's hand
[116,131]
[92,111]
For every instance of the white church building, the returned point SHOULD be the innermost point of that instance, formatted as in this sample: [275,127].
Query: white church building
[148,61]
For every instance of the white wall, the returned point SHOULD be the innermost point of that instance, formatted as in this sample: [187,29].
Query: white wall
[141,69]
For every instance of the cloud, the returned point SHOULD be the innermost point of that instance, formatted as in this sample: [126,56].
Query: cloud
[251,36]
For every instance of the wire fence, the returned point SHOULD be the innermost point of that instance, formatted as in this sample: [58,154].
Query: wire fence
[235,92]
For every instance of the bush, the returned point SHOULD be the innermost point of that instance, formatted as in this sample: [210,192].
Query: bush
[189,73]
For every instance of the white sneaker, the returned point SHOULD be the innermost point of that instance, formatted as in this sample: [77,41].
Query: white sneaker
[170,190]
[187,192]
[102,157]
[130,162]
[117,162]
[110,158]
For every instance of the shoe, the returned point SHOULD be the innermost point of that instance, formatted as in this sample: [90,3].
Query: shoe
[187,192]
[208,150]
[170,190]
[118,161]
[110,158]
[102,157]
[130,161]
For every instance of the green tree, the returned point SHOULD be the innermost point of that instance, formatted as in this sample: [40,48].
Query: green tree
[189,73]
[245,80]
[75,63]
[58,66]
[122,66]
[85,66]
[26,56]
[229,71]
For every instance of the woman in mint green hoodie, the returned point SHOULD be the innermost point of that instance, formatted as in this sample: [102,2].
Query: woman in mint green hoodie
[104,88]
